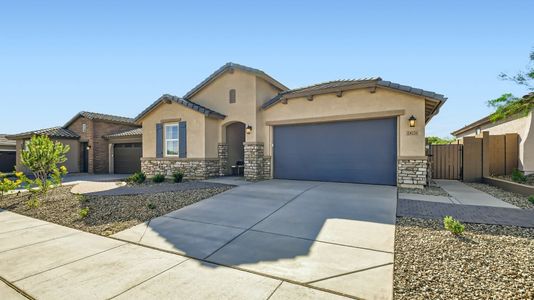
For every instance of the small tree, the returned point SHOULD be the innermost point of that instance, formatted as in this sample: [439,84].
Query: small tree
[42,157]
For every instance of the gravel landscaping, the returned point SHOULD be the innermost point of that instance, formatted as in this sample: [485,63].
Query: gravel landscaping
[108,214]
[488,262]
[427,190]
[530,179]
[510,197]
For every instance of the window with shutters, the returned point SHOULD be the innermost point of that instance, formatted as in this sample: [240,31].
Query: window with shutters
[171,139]
[231,95]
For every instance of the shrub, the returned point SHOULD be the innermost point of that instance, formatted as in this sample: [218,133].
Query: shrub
[518,176]
[178,176]
[33,202]
[453,225]
[137,177]
[42,156]
[158,178]
[531,199]
[84,212]
[151,205]
[7,184]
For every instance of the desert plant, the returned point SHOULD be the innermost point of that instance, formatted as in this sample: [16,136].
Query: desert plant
[158,178]
[137,177]
[42,157]
[453,225]
[518,176]
[33,202]
[531,199]
[7,184]
[178,176]
[151,205]
[84,212]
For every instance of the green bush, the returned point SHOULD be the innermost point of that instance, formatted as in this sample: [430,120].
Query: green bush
[33,202]
[84,212]
[518,176]
[178,176]
[7,184]
[151,205]
[531,199]
[137,177]
[453,225]
[158,178]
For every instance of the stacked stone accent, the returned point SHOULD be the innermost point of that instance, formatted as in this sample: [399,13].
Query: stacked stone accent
[266,167]
[411,173]
[254,170]
[192,168]
[222,151]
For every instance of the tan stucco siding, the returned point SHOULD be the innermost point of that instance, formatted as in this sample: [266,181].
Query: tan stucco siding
[212,134]
[73,156]
[524,128]
[171,113]
[216,97]
[264,92]
[358,103]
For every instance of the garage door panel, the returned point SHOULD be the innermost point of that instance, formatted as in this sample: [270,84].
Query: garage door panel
[353,151]
[127,158]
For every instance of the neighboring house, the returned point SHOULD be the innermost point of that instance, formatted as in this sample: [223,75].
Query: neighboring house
[522,125]
[99,143]
[7,154]
[364,131]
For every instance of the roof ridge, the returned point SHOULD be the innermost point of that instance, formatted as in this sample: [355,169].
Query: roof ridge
[373,78]
[103,114]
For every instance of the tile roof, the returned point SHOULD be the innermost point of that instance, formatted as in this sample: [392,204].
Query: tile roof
[128,133]
[346,84]
[166,98]
[98,116]
[5,142]
[56,132]
[229,66]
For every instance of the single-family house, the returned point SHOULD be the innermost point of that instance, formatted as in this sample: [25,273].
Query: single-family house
[522,125]
[7,154]
[365,130]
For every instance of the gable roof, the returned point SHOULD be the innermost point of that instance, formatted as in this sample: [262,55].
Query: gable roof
[166,98]
[431,107]
[55,132]
[127,133]
[229,66]
[486,119]
[103,117]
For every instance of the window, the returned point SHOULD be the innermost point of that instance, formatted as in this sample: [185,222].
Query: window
[84,127]
[171,139]
[477,131]
[231,96]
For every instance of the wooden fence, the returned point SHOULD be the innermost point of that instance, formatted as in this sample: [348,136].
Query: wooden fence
[472,158]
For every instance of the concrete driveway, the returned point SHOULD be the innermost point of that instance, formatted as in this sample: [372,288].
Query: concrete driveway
[334,236]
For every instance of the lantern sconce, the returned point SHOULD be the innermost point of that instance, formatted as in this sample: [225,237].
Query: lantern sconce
[412,120]
[248,130]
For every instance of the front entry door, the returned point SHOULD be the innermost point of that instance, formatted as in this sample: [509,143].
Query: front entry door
[84,159]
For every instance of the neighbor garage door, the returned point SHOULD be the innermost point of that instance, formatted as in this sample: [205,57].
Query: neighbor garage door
[127,158]
[362,151]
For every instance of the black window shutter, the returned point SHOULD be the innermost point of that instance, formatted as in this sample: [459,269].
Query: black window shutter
[159,140]
[182,138]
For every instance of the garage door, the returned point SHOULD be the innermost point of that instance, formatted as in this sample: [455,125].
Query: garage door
[127,158]
[362,151]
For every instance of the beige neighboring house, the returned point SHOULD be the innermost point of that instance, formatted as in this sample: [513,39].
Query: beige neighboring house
[522,125]
[241,119]
[99,143]
[7,154]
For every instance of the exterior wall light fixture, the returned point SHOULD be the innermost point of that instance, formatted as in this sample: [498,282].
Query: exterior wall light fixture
[412,120]
[248,130]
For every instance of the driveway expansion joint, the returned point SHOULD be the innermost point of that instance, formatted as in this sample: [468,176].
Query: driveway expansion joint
[16,288]
[348,273]
[25,228]
[40,242]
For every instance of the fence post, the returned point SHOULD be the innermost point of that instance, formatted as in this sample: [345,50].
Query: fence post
[485,154]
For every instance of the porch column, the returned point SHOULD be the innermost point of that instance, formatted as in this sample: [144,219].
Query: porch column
[254,161]
[222,150]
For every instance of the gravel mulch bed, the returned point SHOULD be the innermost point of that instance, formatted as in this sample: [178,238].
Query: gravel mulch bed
[428,190]
[107,214]
[510,197]
[488,262]
[154,188]
[530,179]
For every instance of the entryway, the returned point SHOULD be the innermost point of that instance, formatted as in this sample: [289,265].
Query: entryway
[235,137]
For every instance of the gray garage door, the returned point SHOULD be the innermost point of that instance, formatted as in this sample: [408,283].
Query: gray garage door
[127,158]
[354,151]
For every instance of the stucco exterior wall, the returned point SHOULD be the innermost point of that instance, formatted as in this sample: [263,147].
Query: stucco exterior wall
[361,104]
[524,127]
[174,112]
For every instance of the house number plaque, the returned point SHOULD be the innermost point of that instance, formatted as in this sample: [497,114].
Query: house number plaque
[412,132]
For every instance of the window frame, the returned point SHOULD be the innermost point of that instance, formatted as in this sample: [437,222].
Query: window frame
[165,139]
[232,96]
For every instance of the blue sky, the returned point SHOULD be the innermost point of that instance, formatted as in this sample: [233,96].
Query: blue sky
[117,57]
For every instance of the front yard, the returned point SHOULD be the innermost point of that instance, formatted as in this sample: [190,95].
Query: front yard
[488,262]
[106,215]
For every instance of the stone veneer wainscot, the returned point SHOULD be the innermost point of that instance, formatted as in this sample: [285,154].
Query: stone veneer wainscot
[193,168]
[411,173]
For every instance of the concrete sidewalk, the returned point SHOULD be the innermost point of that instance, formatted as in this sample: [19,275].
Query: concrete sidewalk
[49,261]
[467,195]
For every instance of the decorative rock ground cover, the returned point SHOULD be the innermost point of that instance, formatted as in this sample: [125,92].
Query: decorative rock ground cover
[488,262]
[108,214]
[510,197]
[427,190]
